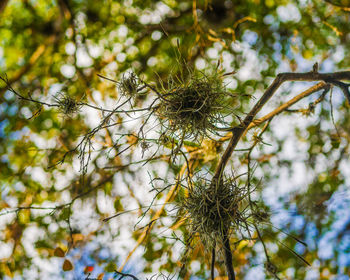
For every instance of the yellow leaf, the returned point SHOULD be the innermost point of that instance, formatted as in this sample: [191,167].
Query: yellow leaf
[67,265]
[6,270]
[100,276]
[212,32]
[307,54]
[24,216]
[132,139]
[3,205]
[242,244]
[228,30]
[77,237]
[211,38]
[59,252]
[337,32]
[243,20]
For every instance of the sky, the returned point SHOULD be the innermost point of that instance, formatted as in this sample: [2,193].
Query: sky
[282,186]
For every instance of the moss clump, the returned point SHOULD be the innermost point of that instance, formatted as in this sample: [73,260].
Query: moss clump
[129,85]
[211,210]
[193,107]
[67,105]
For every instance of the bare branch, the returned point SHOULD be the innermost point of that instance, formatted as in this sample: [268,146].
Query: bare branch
[228,257]
[125,275]
[283,107]
[21,97]
[212,263]
[239,130]
[3,5]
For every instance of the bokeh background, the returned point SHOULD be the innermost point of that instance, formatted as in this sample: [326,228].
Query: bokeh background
[56,48]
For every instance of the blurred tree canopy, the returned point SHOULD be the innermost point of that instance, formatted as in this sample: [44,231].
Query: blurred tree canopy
[101,153]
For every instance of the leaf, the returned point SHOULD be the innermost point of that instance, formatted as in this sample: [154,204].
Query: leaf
[308,54]
[24,216]
[110,267]
[118,206]
[88,269]
[243,20]
[132,139]
[100,276]
[4,204]
[5,268]
[65,214]
[59,252]
[77,237]
[211,38]
[212,32]
[67,265]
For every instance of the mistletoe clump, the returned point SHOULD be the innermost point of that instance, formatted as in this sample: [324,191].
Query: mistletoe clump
[129,85]
[193,107]
[67,105]
[212,210]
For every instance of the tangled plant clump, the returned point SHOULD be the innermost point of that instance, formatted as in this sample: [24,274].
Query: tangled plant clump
[211,210]
[192,108]
[67,105]
[129,85]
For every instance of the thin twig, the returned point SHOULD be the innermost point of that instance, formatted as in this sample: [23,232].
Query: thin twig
[21,97]
[125,275]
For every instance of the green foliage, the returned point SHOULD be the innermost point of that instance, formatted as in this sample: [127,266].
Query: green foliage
[59,53]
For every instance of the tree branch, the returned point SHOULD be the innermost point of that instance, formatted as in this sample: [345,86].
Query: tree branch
[21,97]
[314,76]
[3,5]
[239,130]
[280,109]
[125,275]
[344,87]
[228,256]
[212,268]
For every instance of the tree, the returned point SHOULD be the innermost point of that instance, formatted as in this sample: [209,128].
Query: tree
[148,139]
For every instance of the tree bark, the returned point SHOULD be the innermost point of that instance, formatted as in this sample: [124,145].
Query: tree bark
[3,5]
[228,256]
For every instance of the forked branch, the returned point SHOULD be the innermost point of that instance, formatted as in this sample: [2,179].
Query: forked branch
[286,105]
[238,131]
